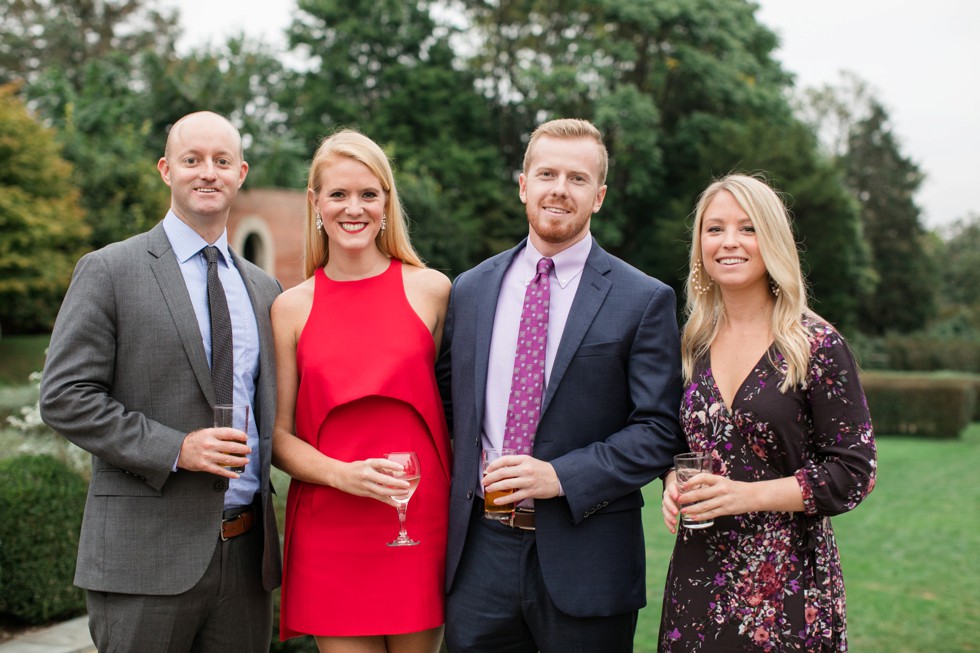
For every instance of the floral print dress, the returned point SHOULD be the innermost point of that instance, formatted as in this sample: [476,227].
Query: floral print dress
[771,581]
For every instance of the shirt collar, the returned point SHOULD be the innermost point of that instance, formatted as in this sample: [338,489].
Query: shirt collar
[569,262]
[186,242]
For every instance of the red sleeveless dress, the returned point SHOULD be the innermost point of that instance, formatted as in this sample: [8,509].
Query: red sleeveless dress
[367,386]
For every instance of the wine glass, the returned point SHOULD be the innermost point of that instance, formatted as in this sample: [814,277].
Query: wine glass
[411,472]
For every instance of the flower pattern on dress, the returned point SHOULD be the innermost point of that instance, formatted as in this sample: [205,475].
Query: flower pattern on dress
[771,581]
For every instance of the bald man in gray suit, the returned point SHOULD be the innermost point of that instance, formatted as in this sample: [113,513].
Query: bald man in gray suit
[177,552]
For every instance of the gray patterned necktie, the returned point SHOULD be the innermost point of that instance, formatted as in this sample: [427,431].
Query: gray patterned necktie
[222,376]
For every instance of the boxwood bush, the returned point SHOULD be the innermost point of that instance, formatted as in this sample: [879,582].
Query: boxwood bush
[41,501]
[917,352]
[924,405]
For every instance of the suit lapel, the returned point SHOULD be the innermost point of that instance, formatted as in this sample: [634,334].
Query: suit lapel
[489,285]
[263,389]
[592,291]
[167,272]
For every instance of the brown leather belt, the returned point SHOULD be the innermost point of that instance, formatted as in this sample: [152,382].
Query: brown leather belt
[238,525]
[522,518]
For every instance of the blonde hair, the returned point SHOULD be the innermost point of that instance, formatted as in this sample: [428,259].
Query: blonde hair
[705,310]
[569,128]
[393,240]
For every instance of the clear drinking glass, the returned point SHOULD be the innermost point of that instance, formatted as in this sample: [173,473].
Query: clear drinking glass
[687,466]
[233,416]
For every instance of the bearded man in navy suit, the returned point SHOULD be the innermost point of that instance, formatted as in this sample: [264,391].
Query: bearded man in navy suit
[565,571]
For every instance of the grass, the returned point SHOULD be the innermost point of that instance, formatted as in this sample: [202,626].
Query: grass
[19,356]
[909,552]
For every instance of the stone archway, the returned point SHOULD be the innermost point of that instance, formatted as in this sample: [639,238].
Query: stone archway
[253,240]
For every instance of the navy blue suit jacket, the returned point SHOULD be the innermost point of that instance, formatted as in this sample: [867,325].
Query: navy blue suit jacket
[609,425]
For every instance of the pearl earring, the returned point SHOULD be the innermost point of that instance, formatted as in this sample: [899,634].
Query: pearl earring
[700,288]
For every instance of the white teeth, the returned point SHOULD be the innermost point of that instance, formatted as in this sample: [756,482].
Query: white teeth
[731,261]
[351,226]
[552,209]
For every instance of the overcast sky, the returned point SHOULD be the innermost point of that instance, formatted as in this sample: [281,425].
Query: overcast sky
[920,58]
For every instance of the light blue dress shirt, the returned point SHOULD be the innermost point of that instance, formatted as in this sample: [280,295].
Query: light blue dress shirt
[188,247]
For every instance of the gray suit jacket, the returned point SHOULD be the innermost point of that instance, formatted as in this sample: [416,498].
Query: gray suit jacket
[609,425]
[126,378]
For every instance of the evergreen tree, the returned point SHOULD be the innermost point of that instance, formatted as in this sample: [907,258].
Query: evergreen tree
[885,182]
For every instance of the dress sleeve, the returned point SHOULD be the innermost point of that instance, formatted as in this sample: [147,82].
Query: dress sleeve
[840,468]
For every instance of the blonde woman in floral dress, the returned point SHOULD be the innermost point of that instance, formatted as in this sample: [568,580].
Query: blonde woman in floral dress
[773,393]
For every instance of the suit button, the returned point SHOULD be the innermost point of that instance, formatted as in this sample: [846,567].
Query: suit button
[220,486]
[469,494]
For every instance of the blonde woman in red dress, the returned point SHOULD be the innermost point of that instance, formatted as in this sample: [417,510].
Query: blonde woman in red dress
[355,347]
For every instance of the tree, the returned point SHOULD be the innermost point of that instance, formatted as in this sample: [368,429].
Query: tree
[104,131]
[855,128]
[885,182]
[388,69]
[683,91]
[42,230]
[39,35]
[243,82]
[957,256]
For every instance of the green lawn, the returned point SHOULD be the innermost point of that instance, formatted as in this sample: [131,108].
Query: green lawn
[910,552]
[19,356]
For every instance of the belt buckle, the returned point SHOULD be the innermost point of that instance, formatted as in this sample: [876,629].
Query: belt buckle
[231,520]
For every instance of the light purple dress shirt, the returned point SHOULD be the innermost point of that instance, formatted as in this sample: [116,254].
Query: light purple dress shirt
[565,278]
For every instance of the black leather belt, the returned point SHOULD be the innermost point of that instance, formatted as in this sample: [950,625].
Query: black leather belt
[238,524]
[522,518]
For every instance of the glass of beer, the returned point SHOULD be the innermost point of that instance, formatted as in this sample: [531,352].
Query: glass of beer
[490,509]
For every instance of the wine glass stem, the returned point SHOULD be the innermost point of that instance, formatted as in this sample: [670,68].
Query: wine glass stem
[402,510]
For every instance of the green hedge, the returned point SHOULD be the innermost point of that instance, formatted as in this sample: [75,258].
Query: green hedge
[41,501]
[917,353]
[925,405]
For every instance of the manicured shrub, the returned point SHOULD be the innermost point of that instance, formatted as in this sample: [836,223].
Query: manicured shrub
[41,501]
[925,405]
[917,352]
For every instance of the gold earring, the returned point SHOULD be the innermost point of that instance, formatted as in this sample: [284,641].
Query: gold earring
[696,279]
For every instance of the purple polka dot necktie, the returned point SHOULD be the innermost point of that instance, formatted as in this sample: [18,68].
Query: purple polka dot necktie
[527,382]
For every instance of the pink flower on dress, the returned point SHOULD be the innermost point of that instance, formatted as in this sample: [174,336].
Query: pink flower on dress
[761,635]
[811,615]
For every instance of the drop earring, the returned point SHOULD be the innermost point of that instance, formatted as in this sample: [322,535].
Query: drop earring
[319,223]
[774,287]
[699,288]
[384,222]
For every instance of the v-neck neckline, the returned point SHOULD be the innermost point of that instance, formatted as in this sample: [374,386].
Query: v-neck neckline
[730,406]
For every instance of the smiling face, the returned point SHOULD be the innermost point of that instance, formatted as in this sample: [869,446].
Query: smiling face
[351,202]
[561,190]
[729,247]
[204,168]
